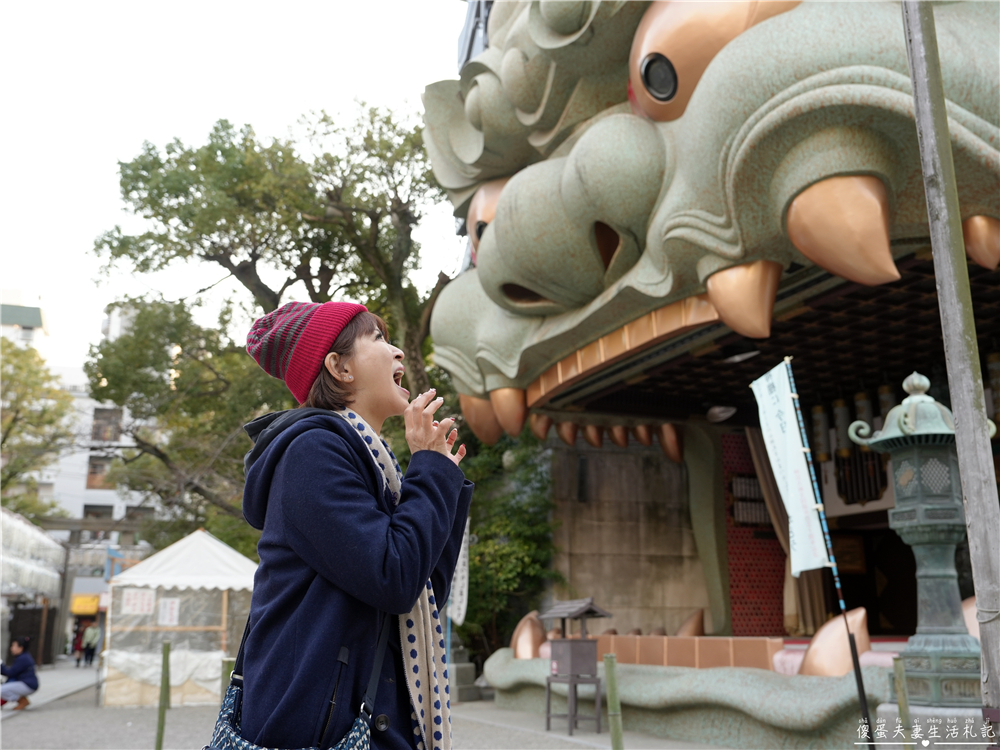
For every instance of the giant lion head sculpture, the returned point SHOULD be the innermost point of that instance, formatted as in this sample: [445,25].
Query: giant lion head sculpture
[673,162]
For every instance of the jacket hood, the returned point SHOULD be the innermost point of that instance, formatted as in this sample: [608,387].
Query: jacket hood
[271,434]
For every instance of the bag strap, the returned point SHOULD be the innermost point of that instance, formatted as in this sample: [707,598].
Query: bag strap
[368,702]
[236,678]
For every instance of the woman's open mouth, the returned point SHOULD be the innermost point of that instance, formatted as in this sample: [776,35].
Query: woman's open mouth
[397,378]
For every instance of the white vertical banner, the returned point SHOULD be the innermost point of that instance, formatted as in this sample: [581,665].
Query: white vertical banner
[169,614]
[783,439]
[458,602]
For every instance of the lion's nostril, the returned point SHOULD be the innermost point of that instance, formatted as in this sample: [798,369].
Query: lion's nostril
[480,228]
[517,293]
[607,242]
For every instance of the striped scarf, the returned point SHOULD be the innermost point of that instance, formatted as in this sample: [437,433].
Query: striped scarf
[421,631]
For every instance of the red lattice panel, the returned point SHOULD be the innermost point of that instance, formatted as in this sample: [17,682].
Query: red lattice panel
[756,566]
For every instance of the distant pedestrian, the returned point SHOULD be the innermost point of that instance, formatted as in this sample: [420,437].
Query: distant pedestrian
[21,679]
[91,637]
[78,643]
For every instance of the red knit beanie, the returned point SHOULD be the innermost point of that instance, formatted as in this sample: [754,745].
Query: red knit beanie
[291,342]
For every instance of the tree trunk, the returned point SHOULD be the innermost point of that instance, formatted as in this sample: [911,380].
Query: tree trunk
[416,371]
[407,334]
[246,274]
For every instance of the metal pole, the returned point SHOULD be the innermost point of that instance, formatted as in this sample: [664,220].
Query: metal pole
[161,718]
[858,678]
[614,704]
[961,350]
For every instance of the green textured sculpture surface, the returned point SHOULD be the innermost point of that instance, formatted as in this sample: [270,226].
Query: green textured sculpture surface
[726,706]
[550,66]
[819,91]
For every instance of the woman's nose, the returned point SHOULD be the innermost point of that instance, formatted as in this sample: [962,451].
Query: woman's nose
[398,354]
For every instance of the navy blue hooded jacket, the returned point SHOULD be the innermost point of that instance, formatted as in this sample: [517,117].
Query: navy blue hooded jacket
[23,670]
[334,554]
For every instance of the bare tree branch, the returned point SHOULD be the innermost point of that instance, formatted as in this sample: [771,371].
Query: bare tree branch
[184,482]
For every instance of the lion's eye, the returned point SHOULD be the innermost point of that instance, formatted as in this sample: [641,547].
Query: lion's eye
[482,210]
[676,42]
[659,77]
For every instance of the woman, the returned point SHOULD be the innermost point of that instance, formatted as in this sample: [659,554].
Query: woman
[21,679]
[347,543]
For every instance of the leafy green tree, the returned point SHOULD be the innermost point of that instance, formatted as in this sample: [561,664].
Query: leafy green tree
[35,426]
[375,178]
[510,559]
[189,390]
[339,223]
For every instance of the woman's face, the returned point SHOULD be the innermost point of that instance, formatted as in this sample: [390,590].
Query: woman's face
[15,648]
[377,371]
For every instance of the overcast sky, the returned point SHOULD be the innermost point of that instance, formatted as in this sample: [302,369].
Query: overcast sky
[84,84]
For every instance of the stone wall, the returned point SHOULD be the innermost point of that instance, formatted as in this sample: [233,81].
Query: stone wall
[624,536]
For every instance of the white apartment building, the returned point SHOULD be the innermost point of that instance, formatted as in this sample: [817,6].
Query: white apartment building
[78,480]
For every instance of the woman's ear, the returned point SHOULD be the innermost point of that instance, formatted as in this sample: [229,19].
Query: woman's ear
[337,367]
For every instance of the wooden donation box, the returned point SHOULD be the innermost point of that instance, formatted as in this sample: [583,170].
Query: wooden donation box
[574,661]
[574,656]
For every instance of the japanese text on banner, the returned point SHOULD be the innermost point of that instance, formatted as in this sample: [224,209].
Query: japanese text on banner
[783,439]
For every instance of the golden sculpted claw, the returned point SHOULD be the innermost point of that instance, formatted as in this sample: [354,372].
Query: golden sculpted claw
[744,296]
[842,224]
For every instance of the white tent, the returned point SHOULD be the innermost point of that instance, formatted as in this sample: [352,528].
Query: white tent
[198,561]
[195,594]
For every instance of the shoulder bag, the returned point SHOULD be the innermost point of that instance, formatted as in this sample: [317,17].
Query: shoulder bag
[227,726]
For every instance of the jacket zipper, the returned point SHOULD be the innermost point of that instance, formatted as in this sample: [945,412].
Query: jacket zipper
[342,658]
[406,679]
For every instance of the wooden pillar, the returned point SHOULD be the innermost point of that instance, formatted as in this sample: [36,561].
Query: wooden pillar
[225,620]
[41,635]
[961,349]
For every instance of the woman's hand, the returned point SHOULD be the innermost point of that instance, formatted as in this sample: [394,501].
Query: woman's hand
[424,433]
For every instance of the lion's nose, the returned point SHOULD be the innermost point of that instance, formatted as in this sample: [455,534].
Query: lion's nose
[568,228]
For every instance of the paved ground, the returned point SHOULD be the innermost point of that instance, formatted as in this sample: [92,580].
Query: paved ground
[483,726]
[76,723]
[64,716]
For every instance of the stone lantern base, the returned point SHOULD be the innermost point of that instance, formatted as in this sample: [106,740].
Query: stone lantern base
[942,670]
